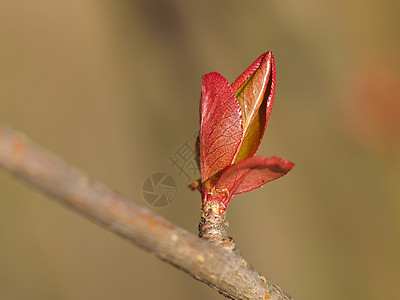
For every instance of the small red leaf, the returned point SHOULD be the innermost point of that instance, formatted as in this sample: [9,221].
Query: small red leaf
[250,174]
[256,97]
[221,128]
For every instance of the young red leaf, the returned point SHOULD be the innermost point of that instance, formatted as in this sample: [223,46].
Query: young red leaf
[221,128]
[250,174]
[255,96]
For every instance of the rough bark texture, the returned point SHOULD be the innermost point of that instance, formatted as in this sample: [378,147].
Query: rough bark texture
[226,271]
[212,226]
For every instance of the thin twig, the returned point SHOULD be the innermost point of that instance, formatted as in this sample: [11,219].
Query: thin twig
[224,270]
[212,226]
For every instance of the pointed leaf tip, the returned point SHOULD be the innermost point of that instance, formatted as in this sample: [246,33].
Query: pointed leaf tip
[239,82]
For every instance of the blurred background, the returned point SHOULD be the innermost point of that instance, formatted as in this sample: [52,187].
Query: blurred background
[114,88]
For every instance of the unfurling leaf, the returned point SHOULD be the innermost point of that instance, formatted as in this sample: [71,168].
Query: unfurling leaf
[233,122]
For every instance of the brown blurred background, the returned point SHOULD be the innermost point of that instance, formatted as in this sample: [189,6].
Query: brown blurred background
[114,86]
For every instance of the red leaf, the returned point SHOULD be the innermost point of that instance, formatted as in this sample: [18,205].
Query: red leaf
[255,96]
[221,128]
[250,174]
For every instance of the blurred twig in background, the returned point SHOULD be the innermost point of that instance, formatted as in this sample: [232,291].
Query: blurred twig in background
[223,270]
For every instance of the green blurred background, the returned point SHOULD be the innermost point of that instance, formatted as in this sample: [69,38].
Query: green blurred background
[114,88]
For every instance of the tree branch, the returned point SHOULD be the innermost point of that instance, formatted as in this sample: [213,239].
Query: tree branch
[224,270]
